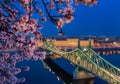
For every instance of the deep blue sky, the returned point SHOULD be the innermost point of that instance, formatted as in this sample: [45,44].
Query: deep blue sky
[101,19]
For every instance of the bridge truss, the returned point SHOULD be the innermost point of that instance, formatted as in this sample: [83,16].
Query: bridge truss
[89,60]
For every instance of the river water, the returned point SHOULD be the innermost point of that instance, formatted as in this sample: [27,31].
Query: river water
[39,75]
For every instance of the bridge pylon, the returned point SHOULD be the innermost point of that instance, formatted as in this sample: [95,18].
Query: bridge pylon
[75,72]
[82,77]
[89,46]
[51,42]
[89,41]
[79,44]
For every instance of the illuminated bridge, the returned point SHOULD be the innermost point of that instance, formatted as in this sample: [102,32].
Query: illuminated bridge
[89,60]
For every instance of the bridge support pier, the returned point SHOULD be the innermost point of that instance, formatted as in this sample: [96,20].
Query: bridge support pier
[82,77]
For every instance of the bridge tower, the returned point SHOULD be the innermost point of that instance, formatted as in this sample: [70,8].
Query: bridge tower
[79,43]
[89,41]
[80,76]
[89,46]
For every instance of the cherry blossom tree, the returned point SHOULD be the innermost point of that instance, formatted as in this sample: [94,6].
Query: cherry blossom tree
[19,30]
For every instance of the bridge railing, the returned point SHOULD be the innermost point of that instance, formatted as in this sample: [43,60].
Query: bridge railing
[103,63]
[85,62]
[98,70]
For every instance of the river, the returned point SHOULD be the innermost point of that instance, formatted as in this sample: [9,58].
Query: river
[39,75]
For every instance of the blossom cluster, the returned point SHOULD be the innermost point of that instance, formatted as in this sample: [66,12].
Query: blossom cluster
[20,31]
[89,2]
[68,17]
[8,70]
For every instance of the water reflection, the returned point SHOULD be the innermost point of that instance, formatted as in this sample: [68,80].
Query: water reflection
[38,75]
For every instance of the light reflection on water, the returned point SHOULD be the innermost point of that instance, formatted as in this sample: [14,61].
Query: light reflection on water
[38,75]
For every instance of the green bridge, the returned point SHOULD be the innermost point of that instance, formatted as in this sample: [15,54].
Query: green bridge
[89,60]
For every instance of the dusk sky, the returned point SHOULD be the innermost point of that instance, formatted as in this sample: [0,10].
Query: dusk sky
[101,19]
[23,39]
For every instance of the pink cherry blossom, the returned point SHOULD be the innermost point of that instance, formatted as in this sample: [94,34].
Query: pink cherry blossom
[20,31]
[60,23]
